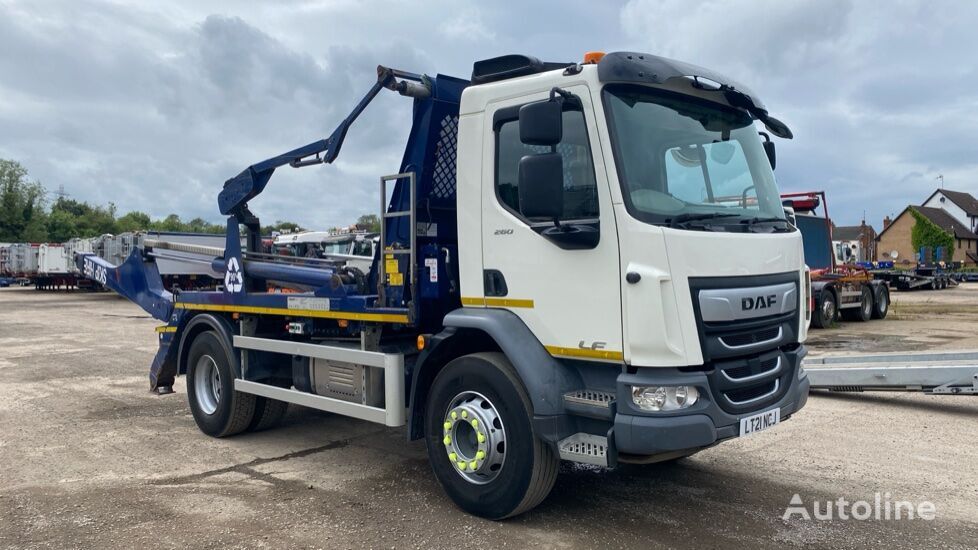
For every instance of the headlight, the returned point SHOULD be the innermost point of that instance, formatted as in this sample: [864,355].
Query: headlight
[664,398]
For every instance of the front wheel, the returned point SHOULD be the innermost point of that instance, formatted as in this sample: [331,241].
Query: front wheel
[480,438]
[825,312]
[218,409]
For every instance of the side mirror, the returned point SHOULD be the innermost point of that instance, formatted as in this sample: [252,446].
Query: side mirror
[769,149]
[541,185]
[771,156]
[541,123]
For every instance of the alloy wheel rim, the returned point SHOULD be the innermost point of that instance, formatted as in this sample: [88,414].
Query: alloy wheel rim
[474,437]
[207,384]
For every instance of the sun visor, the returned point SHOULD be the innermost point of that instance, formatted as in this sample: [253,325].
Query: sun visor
[641,68]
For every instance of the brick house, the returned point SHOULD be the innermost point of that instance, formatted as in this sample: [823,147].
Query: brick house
[894,241]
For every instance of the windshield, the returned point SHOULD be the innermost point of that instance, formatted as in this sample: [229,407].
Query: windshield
[337,247]
[689,163]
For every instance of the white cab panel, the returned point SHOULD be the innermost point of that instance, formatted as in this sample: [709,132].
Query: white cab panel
[576,301]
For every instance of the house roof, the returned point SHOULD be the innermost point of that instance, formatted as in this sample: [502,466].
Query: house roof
[966,201]
[946,222]
[940,217]
[852,232]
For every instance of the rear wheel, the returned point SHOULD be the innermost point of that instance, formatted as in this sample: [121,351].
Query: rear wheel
[480,439]
[268,413]
[218,409]
[825,312]
[881,305]
[865,310]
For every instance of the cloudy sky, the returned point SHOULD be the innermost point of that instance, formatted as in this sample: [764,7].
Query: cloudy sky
[153,105]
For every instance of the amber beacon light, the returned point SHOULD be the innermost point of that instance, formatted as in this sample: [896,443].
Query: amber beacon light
[592,57]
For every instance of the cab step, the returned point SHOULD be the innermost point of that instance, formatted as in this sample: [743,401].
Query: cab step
[584,448]
[591,403]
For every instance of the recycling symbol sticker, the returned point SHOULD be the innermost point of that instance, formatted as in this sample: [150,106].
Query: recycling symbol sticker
[233,281]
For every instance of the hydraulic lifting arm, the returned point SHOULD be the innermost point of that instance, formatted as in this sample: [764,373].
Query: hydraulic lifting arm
[233,199]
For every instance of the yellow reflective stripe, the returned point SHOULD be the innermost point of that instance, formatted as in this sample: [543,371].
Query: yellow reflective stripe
[166,329]
[350,316]
[497,302]
[586,353]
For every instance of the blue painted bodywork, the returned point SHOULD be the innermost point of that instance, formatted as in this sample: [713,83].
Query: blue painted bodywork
[136,279]
[419,306]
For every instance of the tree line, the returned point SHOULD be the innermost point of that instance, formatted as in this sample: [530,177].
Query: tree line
[26,217]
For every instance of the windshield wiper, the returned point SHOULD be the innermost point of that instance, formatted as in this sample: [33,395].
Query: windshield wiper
[683,219]
[751,222]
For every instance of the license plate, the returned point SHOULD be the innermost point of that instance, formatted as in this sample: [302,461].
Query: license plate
[759,422]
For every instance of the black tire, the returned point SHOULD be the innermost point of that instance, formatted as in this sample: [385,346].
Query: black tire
[268,413]
[826,310]
[528,466]
[881,305]
[864,312]
[220,411]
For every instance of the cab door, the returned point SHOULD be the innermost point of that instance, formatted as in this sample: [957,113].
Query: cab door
[569,297]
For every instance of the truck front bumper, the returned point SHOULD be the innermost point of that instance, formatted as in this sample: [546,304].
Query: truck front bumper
[710,420]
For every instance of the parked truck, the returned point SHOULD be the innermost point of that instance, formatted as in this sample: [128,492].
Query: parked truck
[353,248]
[839,290]
[561,274]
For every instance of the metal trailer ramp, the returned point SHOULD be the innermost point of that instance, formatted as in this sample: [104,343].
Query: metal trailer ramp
[933,373]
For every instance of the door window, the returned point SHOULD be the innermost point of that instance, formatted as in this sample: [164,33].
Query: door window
[580,188]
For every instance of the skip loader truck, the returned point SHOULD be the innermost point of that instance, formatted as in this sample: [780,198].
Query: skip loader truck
[577,261]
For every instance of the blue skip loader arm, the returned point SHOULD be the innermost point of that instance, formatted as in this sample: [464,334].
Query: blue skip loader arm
[137,279]
[252,180]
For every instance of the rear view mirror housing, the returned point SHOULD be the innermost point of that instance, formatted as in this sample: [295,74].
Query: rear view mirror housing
[541,187]
[772,156]
[541,123]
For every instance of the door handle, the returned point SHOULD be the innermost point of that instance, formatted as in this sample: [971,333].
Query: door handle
[633,277]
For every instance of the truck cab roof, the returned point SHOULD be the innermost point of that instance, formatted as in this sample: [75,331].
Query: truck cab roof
[497,77]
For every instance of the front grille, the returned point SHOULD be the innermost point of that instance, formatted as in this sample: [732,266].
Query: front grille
[746,367]
[749,384]
[753,337]
[744,371]
[740,337]
[742,395]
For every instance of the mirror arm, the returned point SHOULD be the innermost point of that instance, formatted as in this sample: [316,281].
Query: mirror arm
[564,94]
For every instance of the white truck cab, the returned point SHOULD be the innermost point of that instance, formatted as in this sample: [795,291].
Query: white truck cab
[672,263]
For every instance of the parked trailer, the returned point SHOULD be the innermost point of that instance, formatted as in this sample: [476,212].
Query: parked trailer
[920,278]
[542,288]
[23,260]
[845,291]
[54,271]
[932,373]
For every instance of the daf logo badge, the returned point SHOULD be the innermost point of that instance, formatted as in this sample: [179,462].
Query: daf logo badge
[750,303]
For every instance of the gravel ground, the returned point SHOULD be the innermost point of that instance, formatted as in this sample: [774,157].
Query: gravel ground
[89,458]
